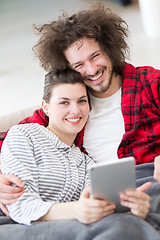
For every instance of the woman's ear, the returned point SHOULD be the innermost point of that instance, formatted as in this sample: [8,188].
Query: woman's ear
[45,107]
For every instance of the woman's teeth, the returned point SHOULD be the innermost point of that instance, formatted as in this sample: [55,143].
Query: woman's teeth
[73,119]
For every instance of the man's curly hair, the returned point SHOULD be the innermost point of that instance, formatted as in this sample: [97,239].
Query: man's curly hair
[97,23]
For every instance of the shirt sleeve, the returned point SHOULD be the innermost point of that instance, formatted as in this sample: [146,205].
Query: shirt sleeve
[89,162]
[17,158]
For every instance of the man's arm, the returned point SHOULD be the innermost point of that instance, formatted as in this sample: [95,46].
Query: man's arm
[156,174]
[9,194]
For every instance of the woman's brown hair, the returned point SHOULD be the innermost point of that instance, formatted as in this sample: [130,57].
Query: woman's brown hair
[62,76]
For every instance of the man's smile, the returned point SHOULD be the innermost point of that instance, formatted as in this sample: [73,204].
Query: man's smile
[97,76]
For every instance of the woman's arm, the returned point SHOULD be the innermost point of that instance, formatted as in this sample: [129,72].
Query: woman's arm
[18,159]
[86,210]
[89,162]
[9,194]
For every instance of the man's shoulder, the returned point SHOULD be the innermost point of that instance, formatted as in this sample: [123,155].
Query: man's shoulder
[141,73]
[131,68]
[38,116]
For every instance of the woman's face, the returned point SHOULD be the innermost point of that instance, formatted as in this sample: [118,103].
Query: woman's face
[68,108]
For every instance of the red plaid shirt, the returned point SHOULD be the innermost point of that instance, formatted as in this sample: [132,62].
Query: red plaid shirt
[141,112]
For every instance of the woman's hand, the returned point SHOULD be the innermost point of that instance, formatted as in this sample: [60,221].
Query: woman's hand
[156,174]
[85,210]
[9,194]
[91,210]
[137,200]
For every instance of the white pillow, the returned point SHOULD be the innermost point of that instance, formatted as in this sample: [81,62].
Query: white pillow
[13,118]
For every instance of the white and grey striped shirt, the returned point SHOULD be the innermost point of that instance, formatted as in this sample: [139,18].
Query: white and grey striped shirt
[50,170]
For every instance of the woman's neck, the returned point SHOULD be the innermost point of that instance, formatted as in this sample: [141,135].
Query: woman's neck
[63,137]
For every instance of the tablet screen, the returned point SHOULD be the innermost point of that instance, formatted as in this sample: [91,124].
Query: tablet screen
[109,179]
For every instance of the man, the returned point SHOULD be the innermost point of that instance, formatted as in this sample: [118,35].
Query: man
[125,100]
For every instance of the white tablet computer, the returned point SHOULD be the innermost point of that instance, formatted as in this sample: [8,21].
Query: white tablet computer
[109,179]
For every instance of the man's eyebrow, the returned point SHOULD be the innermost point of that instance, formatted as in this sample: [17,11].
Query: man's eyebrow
[92,54]
[77,63]
[98,50]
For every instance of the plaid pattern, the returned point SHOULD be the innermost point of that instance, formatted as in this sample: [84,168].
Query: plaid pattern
[141,112]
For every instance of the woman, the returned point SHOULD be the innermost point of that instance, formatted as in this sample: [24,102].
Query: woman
[52,168]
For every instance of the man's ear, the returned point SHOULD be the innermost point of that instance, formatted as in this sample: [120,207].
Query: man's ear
[45,107]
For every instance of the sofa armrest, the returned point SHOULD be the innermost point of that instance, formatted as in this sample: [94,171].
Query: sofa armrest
[13,118]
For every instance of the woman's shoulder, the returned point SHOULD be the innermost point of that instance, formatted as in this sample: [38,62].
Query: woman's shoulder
[25,128]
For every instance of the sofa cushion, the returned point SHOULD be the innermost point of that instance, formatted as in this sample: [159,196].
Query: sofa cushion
[13,118]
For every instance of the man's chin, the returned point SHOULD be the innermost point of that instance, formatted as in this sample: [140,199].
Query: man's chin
[98,90]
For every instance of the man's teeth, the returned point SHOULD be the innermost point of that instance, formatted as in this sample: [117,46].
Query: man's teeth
[73,119]
[96,77]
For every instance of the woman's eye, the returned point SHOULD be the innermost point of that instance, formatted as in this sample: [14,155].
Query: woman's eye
[82,101]
[64,103]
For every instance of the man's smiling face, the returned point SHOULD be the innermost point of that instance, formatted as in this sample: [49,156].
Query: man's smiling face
[86,57]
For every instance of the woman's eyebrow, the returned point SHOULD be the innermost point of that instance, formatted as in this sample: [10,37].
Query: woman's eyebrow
[85,96]
[64,98]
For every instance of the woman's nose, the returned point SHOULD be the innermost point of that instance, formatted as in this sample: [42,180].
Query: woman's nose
[74,108]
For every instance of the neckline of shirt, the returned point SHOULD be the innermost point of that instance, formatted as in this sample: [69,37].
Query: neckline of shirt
[107,99]
[57,142]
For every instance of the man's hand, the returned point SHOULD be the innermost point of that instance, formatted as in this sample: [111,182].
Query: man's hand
[156,174]
[9,194]
[91,210]
[137,200]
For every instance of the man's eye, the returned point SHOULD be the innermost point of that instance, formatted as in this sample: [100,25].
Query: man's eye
[77,66]
[96,55]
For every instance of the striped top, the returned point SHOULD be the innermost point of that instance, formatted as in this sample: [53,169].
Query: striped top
[50,170]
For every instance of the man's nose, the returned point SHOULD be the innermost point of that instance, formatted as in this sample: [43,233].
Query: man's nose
[91,68]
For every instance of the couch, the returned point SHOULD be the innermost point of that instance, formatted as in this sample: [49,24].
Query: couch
[121,226]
